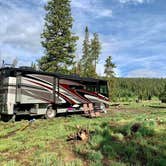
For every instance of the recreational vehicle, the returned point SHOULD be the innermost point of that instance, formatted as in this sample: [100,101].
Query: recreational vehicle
[26,91]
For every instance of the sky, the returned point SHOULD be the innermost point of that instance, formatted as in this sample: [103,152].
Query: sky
[133,32]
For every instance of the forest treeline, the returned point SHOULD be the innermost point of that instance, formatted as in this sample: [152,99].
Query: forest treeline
[127,89]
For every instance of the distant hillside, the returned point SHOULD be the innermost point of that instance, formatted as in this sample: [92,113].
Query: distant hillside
[137,88]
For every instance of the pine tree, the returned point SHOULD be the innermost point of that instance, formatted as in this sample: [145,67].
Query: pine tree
[109,67]
[86,54]
[57,39]
[95,50]
[91,51]
[162,96]
[109,71]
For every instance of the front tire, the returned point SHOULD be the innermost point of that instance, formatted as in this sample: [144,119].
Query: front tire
[103,107]
[6,118]
[50,113]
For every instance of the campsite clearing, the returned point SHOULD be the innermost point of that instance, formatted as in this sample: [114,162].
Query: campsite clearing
[128,134]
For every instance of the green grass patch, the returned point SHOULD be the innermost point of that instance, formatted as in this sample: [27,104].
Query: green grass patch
[133,134]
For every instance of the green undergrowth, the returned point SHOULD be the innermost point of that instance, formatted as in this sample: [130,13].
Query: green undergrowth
[121,144]
[124,136]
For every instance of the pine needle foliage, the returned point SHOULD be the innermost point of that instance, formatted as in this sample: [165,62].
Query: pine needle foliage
[57,39]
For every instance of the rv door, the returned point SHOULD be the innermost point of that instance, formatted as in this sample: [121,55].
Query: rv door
[18,88]
[3,93]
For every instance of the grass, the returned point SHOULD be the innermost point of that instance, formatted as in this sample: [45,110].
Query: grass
[132,134]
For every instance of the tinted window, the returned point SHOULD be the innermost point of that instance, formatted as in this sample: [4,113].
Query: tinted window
[91,88]
[103,89]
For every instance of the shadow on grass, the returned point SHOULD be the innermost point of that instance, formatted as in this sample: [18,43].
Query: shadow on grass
[157,106]
[30,117]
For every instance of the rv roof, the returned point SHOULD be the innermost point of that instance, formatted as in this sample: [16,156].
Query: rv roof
[26,70]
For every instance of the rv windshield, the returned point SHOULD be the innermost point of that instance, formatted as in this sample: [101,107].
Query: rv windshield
[103,89]
[100,87]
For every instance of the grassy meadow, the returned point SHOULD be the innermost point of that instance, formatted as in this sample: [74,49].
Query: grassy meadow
[130,134]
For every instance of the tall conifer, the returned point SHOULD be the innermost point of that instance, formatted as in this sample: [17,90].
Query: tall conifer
[95,49]
[57,39]
[109,67]
[86,54]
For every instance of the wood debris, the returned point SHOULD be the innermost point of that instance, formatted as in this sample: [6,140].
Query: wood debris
[82,134]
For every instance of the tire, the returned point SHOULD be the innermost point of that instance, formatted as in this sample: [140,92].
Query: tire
[103,107]
[6,118]
[50,113]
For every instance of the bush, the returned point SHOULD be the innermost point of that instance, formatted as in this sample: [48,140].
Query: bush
[109,151]
[96,141]
[126,130]
[146,131]
[94,155]
[147,128]
[117,136]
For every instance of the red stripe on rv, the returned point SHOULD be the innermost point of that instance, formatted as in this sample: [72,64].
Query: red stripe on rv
[73,91]
[66,98]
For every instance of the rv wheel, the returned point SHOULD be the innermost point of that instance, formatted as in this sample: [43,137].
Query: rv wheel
[6,118]
[103,107]
[50,113]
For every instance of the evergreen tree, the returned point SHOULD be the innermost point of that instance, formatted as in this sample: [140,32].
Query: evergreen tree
[95,49]
[85,64]
[91,51]
[162,96]
[58,41]
[109,71]
[109,67]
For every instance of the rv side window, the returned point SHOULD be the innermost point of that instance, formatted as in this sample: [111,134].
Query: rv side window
[91,88]
[4,73]
[1,78]
[103,90]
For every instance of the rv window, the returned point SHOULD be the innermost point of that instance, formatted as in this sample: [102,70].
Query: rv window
[1,78]
[91,88]
[103,90]
[4,73]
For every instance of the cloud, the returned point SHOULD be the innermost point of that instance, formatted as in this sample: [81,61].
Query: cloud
[20,30]
[145,73]
[134,1]
[93,7]
[132,34]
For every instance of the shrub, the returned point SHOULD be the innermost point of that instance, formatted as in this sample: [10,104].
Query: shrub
[96,140]
[109,151]
[126,130]
[129,153]
[147,128]
[117,136]
[94,155]
[146,131]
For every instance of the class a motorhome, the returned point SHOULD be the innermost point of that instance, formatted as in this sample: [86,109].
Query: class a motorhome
[26,91]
